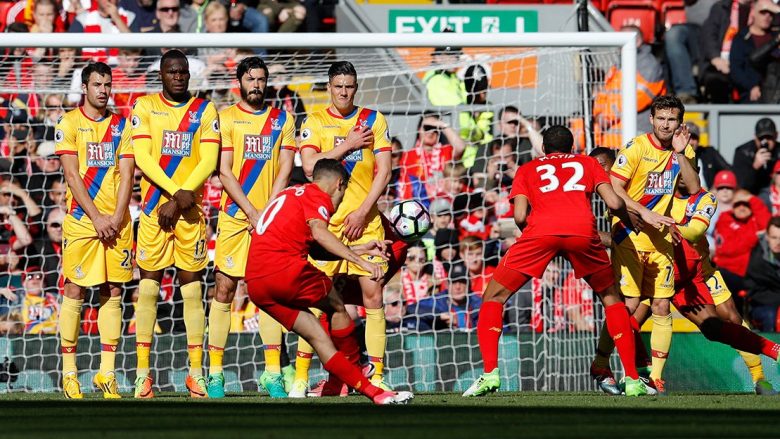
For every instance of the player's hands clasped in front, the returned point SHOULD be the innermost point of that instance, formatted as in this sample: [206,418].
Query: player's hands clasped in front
[167,215]
[376,271]
[680,139]
[185,199]
[105,228]
[374,248]
[359,137]
[354,225]
[253,217]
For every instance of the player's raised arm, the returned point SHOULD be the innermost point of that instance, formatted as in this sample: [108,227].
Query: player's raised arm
[66,149]
[126,170]
[142,147]
[687,172]
[208,149]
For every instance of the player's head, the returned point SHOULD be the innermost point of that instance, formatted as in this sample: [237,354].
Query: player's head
[773,235]
[557,138]
[252,75]
[96,84]
[175,74]
[605,157]
[331,176]
[666,115]
[342,85]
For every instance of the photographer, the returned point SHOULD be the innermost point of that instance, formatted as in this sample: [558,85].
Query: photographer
[754,160]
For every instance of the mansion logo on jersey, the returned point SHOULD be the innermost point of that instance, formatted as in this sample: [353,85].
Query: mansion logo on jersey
[100,154]
[354,156]
[177,143]
[257,147]
[659,183]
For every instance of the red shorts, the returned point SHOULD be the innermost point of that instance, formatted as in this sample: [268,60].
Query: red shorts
[690,287]
[529,257]
[286,293]
[352,294]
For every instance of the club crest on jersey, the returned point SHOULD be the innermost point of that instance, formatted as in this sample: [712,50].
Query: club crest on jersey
[100,154]
[229,262]
[177,143]
[659,183]
[275,124]
[193,117]
[79,273]
[115,131]
[257,147]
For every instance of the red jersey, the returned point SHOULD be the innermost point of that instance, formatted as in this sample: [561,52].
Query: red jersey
[559,187]
[283,236]
[422,169]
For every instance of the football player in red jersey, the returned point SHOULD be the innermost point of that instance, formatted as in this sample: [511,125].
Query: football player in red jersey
[287,287]
[547,184]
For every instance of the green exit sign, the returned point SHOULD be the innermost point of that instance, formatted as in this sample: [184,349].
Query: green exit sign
[462,21]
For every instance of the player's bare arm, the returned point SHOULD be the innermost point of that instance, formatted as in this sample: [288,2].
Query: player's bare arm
[648,216]
[355,222]
[521,211]
[687,173]
[102,222]
[617,206]
[286,163]
[126,170]
[233,188]
[329,242]
[359,137]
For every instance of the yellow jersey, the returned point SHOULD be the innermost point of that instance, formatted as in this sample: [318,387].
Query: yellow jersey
[177,131]
[256,138]
[651,172]
[40,314]
[693,215]
[99,145]
[324,130]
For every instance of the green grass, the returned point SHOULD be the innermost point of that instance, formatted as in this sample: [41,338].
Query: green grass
[430,416]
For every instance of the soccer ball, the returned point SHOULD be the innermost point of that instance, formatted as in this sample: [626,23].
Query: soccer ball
[410,220]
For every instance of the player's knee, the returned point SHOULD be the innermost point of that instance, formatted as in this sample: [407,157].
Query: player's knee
[660,307]
[73,291]
[711,328]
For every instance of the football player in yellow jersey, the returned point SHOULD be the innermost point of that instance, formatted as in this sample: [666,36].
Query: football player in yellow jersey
[176,141]
[258,150]
[700,294]
[97,158]
[358,137]
[645,175]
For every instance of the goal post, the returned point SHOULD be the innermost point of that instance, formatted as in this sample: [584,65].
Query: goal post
[550,77]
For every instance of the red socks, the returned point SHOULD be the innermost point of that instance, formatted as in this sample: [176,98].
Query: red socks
[339,366]
[619,327]
[346,343]
[489,328]
[743,339]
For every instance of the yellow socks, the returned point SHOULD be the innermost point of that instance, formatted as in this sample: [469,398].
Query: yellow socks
[219,326]
[145,317]
[110,327]
[753,362]
[271,335]
[375,340]
[195,325]
[660,342]
[70,318]
[303,360]
[604,348]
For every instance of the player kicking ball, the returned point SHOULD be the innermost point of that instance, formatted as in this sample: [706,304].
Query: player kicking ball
[546,185]
[285,285]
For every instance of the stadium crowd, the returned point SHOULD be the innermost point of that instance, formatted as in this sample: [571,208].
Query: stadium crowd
[463,174]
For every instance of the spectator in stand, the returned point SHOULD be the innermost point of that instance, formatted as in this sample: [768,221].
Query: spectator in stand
[416,277]
[45,169]
[681,45]
[128,74]
[243,18]
[725,185]
[45,18]
[46,252]
[397,151]
[218,59]
[726,19]
[285,16]
[11,275]
[39,307]
[395,308]
[755,61]
[736,233]
[53,110]
[422,166]
[66,66]
[441,218]
[754,160]
[167,15]
[442,84]
[55,196]
[708,159]
[145,14]
[447,246]
[279,95]
[472,252]
[11,324]
[455,309]
[763,278]
[771,195]
[18,137]
[17,199]
[475,126]
[106,19]
[13,230]
[512,124]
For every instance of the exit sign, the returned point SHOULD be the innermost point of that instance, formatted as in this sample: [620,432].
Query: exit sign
[462,21]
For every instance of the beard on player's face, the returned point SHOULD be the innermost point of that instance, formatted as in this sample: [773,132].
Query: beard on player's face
[254,96]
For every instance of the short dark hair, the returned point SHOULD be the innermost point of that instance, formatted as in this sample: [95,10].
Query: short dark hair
[667,103]
[773,222]
[98,67]
[558,138]
[607,152]
[172,55]
[427,114]
[247,64]
[508,109]
[330,167]
[341,68]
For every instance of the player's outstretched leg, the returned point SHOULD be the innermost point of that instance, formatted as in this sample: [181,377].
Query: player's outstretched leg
[70,319]
[195,326]
[271,333]
[219,327]
[489,328]
[110,328]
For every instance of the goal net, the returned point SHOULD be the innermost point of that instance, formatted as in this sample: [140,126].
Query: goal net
[551,325]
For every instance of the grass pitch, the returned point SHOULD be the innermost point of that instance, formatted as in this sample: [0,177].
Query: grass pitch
[429,416]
